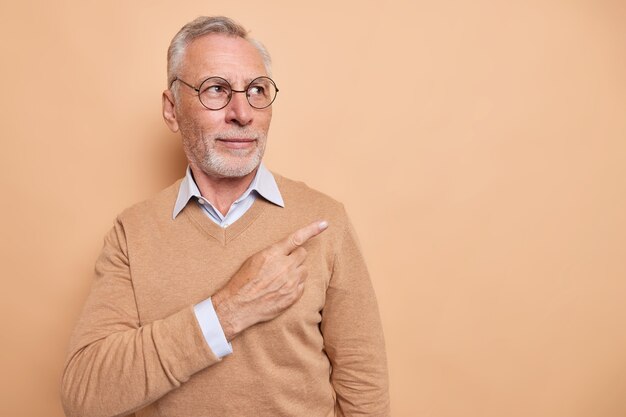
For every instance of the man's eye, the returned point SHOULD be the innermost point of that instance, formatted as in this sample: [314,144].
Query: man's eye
[215,89]
[256,90]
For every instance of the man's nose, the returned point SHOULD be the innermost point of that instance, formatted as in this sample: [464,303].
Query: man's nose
[239,110]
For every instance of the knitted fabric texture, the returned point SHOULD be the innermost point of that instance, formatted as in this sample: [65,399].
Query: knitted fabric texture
[138,347]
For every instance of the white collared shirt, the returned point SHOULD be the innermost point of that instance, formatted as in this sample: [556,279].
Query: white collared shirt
[263,184]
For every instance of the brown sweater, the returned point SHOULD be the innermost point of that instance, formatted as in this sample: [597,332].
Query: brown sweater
[138,346]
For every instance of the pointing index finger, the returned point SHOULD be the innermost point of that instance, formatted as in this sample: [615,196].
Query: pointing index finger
[300,237]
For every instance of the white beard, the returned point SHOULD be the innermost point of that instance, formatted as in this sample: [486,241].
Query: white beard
[225,163]
[224,166]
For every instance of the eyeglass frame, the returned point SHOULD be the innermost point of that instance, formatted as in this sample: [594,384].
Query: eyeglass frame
[232,90]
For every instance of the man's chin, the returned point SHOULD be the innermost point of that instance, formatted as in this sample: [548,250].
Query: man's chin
[231,169]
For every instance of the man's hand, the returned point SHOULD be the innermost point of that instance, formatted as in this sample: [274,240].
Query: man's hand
[266,284]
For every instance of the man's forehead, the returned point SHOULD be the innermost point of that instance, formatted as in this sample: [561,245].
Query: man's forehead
[230,57]
[218,46]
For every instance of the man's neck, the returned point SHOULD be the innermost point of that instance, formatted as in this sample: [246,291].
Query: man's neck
[221,192]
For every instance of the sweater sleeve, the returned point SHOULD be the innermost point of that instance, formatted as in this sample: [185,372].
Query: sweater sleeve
[353,336]
[116,365]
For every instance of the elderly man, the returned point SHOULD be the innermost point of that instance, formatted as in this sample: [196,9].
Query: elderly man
[235,291]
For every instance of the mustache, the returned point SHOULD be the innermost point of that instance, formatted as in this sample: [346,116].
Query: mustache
[238,134]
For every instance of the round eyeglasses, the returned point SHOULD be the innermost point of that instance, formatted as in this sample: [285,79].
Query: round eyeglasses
[215,92]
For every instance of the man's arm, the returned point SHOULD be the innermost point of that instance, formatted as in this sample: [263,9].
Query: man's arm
[353,336]
[117,366]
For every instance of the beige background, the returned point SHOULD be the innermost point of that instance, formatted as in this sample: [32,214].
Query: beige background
[480,148]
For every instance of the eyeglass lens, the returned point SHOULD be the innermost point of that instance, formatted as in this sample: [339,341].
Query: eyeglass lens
[215,92]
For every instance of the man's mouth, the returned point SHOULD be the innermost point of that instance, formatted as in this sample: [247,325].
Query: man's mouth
[237,143]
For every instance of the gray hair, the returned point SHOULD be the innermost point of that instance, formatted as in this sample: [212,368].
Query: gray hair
[205,25]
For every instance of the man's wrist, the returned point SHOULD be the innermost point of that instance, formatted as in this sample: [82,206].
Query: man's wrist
[225,315]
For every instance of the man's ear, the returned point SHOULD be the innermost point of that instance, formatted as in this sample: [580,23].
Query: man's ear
[169,111]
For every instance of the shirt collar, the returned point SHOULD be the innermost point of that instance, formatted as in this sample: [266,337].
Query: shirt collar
[263,183]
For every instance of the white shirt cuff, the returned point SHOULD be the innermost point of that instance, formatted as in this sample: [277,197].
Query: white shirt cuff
[212,329]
